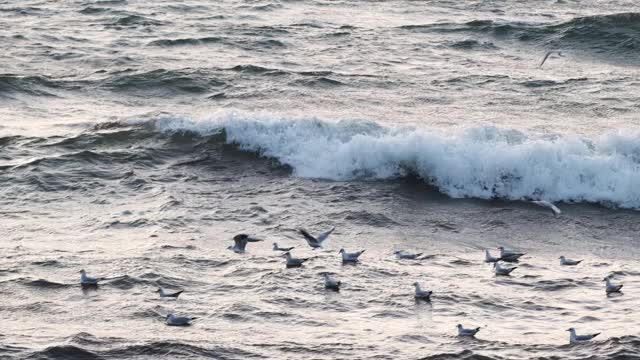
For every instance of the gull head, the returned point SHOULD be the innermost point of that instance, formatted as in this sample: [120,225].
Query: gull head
[416,284]
[571,330]
[397,252]
[501,248]
[341,251]
[561,257]
[240,237]
[159,290]
[459,326]
[82,271]
[275,244]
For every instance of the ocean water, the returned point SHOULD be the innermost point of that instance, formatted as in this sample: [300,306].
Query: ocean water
[137,138]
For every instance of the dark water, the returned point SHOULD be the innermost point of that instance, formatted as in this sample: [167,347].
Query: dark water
[136,139]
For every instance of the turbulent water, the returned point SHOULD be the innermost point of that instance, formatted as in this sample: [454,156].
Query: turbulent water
[137,138]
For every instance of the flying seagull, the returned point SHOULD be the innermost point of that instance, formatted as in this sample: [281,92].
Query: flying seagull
[240,242]
[278,248]
[548,205]
[467,332]
[568,262]
[549,54]
[316,242]
[164,294]
[576,339]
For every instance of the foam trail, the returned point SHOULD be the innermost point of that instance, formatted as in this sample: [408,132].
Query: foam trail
[484,162]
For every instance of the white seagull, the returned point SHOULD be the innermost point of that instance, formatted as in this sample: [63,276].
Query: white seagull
[331,283]
[499,270]
[240,242]
[490,259]
[568,262]
[164,294]
[611,287]
[86,280]
[293,262]
[316,242]
[422,294]
[401,254]
[576,339]
[278,248]
[350,257]
[179,320]
[508,255]
[467,332]
[548,205]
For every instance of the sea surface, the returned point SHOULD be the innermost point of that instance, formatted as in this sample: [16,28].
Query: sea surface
[138,137]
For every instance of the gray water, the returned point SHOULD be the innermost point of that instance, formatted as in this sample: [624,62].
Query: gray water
[136,139]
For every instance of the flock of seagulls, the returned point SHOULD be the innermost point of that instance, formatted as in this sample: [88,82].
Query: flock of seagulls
[330,283]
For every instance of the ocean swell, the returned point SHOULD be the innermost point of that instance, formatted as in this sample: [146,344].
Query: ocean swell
[483,162]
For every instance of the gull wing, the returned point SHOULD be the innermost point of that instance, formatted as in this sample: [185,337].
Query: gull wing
[322,237]
[310,239]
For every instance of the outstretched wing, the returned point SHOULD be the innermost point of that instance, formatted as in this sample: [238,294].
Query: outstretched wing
[310,239]
[322,237]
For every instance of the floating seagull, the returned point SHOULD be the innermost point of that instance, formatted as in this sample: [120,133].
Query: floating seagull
[169,295]
[293,262]
[178,320]
[86,280]
[548,205]
[499,270]
[490,259]
[241,241]
[278,248]
[467,332]
[568,262]
[316,242]
[422,294]
[401,254]
[576,339]
[611,287]
[508,255]
[547,55]
[350,257]
[331,283]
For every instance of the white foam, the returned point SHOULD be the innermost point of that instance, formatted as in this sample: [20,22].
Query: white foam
[481,162]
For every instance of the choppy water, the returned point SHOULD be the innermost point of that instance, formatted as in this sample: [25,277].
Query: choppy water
[136,139]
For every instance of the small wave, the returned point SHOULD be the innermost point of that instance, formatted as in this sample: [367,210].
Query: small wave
[186,41]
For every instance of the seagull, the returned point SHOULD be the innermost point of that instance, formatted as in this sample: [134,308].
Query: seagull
[611,287]
[467,332]
[293,262]
[178,320]
[241,241]
[508,255]
[316,242]
[499,270]
[548,205]
[331,283]
[169,295]
[576,339]
[400,254]
[86,280]
[422,294]
[547,55]
[278,248]
[350,257]
[490,259]
[568,262]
